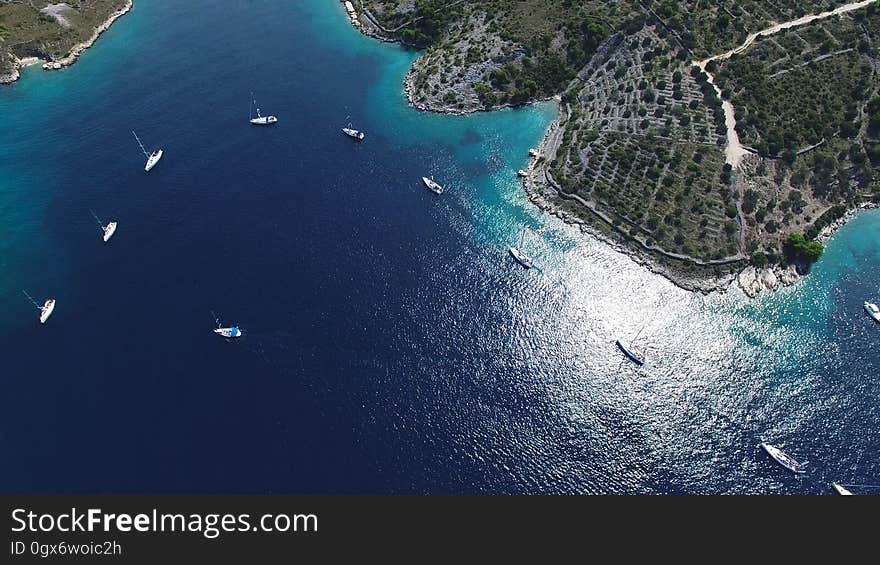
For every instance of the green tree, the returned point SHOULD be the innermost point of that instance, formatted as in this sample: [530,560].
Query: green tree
[797,247]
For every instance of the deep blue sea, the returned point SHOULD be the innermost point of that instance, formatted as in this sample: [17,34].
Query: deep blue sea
[391,345]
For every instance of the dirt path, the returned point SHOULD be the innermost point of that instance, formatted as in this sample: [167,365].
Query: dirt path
[734,152]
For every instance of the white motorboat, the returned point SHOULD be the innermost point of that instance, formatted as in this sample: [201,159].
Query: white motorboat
[520,255]
[631,352]
[152,158]
[259,120]
[522,173]
[841,490]
[351,132]
[783,458]
[432,186]
[232,332]
[873,311]
[109,230]
[47,310]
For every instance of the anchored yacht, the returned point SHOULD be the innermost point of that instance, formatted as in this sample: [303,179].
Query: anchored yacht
[520,255]
[841,490]
[631,352]
[260,120]
[873,311]
[351,132]
[234,331]
[433,186]
[783,458]
[47,310]
[152,158]
[109,230]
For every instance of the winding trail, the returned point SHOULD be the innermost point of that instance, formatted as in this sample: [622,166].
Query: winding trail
[735,151]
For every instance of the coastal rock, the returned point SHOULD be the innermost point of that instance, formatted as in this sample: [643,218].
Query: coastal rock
[11,77]
[789,276]
[749,283]
[768,279]
[75,51]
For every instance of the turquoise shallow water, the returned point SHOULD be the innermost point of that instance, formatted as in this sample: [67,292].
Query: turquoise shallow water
[391,345]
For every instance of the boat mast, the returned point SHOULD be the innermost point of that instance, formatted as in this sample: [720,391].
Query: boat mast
[522,234]
[255,105]
[141,144]
[32,300]
[96,218]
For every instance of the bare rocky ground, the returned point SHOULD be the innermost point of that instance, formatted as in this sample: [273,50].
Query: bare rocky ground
[57,11]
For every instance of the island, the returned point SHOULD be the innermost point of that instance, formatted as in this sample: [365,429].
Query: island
[712,141]
[51,34]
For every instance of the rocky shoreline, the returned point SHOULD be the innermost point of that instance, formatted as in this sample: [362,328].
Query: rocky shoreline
[460,89]
[754,281]
[74,53]
[534,184]
[751,280]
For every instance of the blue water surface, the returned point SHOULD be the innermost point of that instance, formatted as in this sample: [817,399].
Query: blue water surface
[390,343]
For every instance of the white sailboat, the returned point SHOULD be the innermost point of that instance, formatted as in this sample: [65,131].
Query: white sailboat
[260,120]
[152,158]
[520,255]
[353,133]
[230,332]
[873,311]
[637,356]
[841,490]
[783,458]
[108,230]
[630,351]
[45,310]
[432,186]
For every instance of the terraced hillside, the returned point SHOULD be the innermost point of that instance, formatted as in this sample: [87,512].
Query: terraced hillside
[806,101]
[641,147]
[710,27]
[638,149]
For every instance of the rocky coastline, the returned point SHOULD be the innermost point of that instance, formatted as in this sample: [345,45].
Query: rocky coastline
[751,280]
[74,53]
[754,281]
[537,188]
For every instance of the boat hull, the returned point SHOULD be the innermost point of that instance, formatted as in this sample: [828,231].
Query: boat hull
[47,310]
[432,186]
[228,332]
[783,459]
[521,258]
[841,490]
[637,357]
[872,311]
[109,231]
[153,159]
[264,121]
[353,133]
